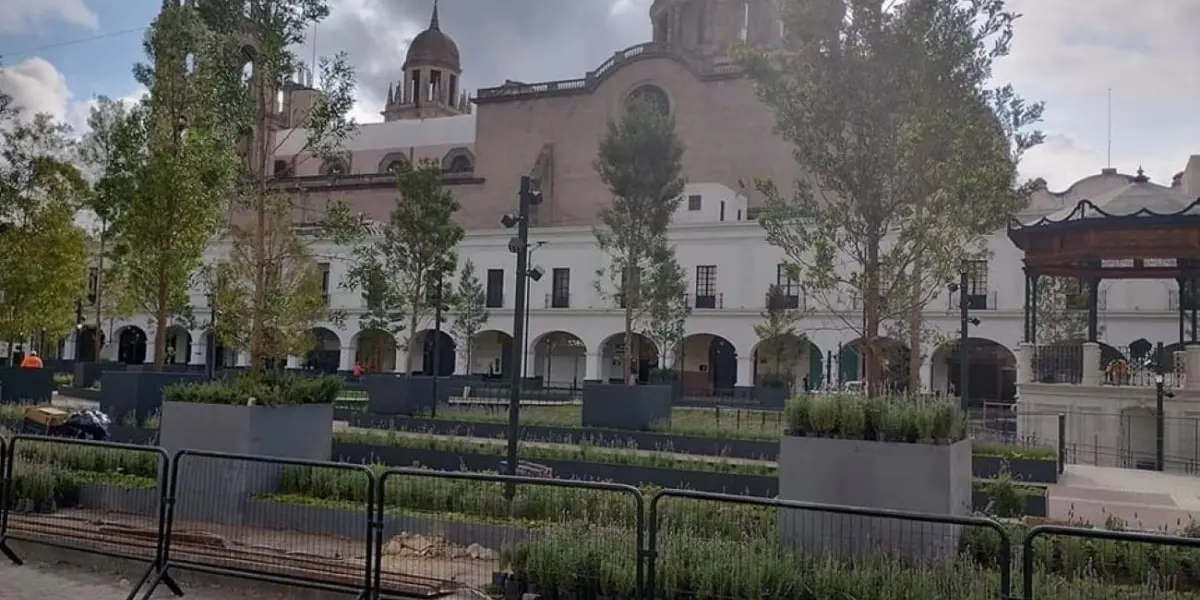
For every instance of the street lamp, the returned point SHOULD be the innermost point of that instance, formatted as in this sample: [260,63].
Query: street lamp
[1160,396]
[437,339]
[210,349]
[535,275]
[964,330]
[529,197]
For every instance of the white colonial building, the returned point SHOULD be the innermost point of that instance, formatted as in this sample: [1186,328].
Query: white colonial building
[575,332]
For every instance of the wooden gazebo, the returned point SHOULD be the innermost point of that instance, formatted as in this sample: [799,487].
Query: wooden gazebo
[1140,230]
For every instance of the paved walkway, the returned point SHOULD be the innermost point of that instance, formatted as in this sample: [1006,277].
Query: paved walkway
[53,582]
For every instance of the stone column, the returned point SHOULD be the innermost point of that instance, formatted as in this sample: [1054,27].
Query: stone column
[927,375]
[346,358]
[150,350]
[1025,354]
[1192,367]
[401,359]
[1092,373]
[199,348]
[745,371]
[68,352]
[594,367]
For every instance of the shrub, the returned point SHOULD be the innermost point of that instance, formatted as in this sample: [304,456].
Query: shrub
[268,389]
[883,419]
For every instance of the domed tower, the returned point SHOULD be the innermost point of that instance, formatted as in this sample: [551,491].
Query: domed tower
[708,27]
[432,78]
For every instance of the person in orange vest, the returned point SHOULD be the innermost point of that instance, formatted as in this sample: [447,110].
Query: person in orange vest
[32,361]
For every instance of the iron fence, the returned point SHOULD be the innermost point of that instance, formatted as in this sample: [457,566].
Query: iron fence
[421,533]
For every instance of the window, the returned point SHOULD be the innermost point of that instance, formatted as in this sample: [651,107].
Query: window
[495,288]
[722,216]
[977,285]
[560,288]
[373,293]
[654,96]
[706,286]
[695,202]
[324,267]
[93,285]
[460,164]
[282,168]
[788,287]
[395,167]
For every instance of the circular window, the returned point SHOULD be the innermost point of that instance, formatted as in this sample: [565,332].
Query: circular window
[654,96]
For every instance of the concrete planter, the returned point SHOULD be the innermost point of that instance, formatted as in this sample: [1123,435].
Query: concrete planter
[922,478]
[137,395]
[81,393]
[771,397]
[1025,470]
[86,374]
[142,502]
[633,407]
[26,386]
[208,486]
[1035,506]
[399,394]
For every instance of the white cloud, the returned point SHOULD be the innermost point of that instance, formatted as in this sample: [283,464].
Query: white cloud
[17,15]
[37,86]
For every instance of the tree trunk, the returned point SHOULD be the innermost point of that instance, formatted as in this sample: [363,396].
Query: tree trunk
[915,323]
[161,314]
[873,376]
[97,342]
[259,160]
[629,301]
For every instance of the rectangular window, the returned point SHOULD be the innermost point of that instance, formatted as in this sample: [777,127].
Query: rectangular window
[977,285]
[788,286]
[373,294]
[324,267]
[695,202]
[560,288]
[495,288]
[706,286]
[722,217]
[93,284]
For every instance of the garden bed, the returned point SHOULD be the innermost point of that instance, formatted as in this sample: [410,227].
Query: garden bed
[1029,465]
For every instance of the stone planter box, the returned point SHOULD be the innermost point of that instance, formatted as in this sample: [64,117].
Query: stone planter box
[86,374]
[1024,470]
[400,394]
[633,407]
[26,386]
[771,398]
[137,395]
[922,478]
[81,393]
[208,485]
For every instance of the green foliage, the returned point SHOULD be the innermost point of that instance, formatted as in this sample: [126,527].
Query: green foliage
[778,339]
[471,312]
[1010,451]
[907,157]
[415,248]
[42,251]
[640,159]
[1061,310]
[666,301]
[883,419]
[268,388]
[1006,497]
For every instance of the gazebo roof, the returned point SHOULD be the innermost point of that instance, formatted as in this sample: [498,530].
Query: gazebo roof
[1139,199]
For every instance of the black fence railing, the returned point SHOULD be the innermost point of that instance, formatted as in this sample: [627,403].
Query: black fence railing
[412,532]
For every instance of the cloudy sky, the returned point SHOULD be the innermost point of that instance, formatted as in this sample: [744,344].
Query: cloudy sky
[60,54]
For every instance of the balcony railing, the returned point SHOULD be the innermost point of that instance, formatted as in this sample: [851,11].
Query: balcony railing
[788,302]
[558,300]
[709,301]
[985,301]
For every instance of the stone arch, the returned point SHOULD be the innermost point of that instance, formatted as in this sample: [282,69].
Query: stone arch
[795,360]
[131,345]
[85,343]
[560,359]
[707,365]
[326,353]
[991,370]
[895,359]
[434,351]
[375,350]
[394,163]
[179,345]
[612,357]
[491,353]
[1062,362]
[459,160]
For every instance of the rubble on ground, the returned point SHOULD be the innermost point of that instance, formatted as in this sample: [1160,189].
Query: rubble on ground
[416,545]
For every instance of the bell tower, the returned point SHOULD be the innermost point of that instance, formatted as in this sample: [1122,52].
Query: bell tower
[709,27]
[432,78]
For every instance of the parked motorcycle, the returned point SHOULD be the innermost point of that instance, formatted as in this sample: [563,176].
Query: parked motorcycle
[87,424]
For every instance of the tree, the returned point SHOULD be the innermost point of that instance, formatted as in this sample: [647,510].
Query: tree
[415,250]
[471,312]
[42,251]
[178,148]
[640,159]
[777,335]
[667,305]
[908,159]
[1061,310]
[111,128]
[271,292]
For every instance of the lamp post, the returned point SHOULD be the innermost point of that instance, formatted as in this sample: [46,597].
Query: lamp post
[437,340]
[535,274]
[1160,396]
[519,245]
[965,321]
[210,350]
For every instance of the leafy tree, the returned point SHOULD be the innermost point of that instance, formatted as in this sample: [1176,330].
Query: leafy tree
[1061,310]
[415,248]
[42,251]
[471,312]
[111,129]
[177,147]
[667,305]
[272,293]
[777,335]
[908,159]
[640,159]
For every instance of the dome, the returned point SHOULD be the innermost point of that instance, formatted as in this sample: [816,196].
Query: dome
[433,48]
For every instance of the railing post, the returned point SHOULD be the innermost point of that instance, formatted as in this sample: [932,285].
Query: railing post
[1093,375]
[1025,363]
